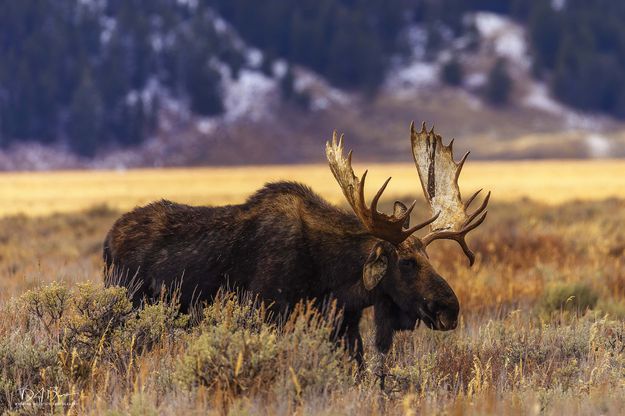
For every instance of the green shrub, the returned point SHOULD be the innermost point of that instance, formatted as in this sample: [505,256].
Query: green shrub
[89,330]
[152,324]
[89,327]
[236,312]
[72,340]
[46,305]
[314,362]
[230,360]
[26,367]
[237,350]
[615,308]
[568,297]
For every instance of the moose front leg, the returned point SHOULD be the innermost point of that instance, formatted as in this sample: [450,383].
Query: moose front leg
[349,333]
[383,337]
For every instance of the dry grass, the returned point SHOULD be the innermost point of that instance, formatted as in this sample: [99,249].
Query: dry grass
[52,192]
[527,342]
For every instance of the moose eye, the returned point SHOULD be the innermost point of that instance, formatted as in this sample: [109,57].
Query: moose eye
[408,263]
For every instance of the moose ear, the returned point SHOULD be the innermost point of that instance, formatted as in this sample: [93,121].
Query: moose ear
[375,266]
[398,210]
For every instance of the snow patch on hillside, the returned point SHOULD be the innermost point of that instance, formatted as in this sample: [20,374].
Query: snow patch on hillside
[415,75]
[247,96]
[417,37]
[538,97]
[191,4]
[409,75]
[322,94]
[475,80]
[558,5]
[504,36]
[598,146]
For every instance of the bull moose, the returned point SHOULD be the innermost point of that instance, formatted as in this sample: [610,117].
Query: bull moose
[287,244]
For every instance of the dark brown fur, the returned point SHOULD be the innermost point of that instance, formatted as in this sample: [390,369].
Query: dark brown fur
[285,244]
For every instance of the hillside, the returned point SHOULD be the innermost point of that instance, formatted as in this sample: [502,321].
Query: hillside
[260,104]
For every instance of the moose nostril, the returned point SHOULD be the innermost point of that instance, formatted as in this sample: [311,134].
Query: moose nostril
[444,323]
[441,320]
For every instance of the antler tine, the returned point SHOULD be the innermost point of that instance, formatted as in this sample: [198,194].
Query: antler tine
[471,198]
[361,189]
[376,198]
[458,236]
[479,210]
[476,223]
[439,235]
[423,224]
[461,163]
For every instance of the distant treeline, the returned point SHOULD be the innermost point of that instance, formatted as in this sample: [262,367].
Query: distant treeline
[580,50]
[79,71]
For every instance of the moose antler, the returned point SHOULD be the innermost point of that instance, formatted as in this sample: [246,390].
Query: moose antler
[439,174]
[389,228]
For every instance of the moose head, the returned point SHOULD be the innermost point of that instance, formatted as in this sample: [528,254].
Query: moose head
[397,264]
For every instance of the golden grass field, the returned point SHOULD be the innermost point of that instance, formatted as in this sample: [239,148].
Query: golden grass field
[49,192]
[542,327]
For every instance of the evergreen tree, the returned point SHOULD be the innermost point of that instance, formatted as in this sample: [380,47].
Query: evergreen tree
[287,87]
[203,87]
[134,122]
[451,72]
[85,118]
[290,94]
[545,36]
[499,83]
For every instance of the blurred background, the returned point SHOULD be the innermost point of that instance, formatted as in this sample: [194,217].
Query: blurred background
[137,83]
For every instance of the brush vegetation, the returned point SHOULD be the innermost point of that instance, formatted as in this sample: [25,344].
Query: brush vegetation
[541,330]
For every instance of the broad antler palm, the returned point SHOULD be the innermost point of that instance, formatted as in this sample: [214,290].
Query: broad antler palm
[439,174]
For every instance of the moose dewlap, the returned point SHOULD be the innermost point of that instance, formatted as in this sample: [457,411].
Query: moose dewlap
[287,244]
